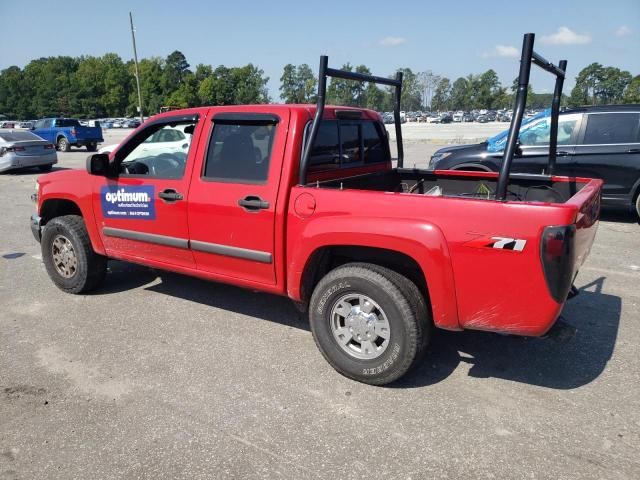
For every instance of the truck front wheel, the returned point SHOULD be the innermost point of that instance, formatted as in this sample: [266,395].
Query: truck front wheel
[63,145]
[68,256]
[370,323]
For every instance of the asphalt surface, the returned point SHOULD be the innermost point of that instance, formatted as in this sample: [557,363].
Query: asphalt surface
[157,375]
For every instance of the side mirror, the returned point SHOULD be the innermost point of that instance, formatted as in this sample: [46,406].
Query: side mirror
[98,164]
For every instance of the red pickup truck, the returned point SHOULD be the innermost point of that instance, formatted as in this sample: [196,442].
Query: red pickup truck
[303,201]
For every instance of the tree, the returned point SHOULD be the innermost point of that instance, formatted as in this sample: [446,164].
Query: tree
[411,91]
[632,92]
[460,95]
[441,97]
[596,84]
[340,91]
[175,68]
[298,84]
[488,90]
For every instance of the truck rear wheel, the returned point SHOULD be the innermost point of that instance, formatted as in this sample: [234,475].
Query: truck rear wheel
[638,205]
[370,323]
[68,256]
[63,145]
[92,147]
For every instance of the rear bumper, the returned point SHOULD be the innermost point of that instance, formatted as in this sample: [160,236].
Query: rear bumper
[36,228]
[11,161]
[88,141]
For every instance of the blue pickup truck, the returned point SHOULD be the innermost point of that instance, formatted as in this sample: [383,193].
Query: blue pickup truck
[65,133]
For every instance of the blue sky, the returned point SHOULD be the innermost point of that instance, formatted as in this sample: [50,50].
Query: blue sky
[451,38]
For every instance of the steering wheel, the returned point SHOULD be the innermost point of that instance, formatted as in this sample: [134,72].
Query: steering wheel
[165,164]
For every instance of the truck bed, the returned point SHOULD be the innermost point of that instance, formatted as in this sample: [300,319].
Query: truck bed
[450,222]
[477,185]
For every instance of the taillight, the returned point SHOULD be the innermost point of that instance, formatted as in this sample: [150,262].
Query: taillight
[557,253]
[14,149]
[73,131]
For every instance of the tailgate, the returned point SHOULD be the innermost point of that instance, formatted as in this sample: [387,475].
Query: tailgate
[587,201]
[565,247]
[88,133]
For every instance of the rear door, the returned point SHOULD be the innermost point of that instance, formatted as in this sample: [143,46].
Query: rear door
[44,129]
[610,149]
[232,199]
[142,212]
[534,145]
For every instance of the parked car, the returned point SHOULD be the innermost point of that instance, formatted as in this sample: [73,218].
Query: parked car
[595,142]
[467,117]
[65,133]
[458,116]
[22,149]
[166,140]
[376,255]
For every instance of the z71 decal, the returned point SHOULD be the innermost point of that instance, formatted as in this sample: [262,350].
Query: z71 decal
[501,243]
[128,202]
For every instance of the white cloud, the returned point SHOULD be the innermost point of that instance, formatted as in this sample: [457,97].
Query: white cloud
[566,36]
[391,41]
[623,31]
[502,51]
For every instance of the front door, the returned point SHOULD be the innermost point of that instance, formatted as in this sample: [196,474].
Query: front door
[232,200]
[142,212]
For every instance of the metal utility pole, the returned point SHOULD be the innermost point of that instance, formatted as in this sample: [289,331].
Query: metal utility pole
[135,58]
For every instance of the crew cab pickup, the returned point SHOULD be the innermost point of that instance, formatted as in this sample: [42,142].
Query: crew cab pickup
[65,133]
[304,201]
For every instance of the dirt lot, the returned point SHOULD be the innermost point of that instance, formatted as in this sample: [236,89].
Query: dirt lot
[156,375]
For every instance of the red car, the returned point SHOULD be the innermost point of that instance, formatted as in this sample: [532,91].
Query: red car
[303,201]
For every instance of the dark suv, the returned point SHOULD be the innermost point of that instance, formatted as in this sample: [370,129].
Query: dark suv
[594,142]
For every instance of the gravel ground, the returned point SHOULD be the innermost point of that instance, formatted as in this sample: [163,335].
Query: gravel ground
[156,375]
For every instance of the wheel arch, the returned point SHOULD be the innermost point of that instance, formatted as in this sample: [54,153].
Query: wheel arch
[426,263]
[59,206]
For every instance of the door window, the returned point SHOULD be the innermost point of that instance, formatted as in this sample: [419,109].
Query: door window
[610,128]
[539,133]
[159,151]
[239,152]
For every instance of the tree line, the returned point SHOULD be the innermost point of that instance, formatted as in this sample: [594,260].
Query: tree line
[96,87]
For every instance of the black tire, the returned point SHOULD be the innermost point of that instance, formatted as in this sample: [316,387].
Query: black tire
[63,145]
[90,267]
[92,147]
[46,168]
[403,305]
[638,205]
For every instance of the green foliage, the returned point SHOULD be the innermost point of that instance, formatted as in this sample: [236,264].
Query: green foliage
[632,92]
[442,96]
[104,86]
[298,84]
[598,85]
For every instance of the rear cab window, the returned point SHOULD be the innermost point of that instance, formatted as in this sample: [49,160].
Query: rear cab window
[347,143]
[612,128]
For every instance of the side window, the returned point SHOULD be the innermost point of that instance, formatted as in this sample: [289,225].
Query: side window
[350,143]
[344,144]
[374,145]
[239,152]
[39,124]
[539,133]
[156,158]
[608,128]
[325,154]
